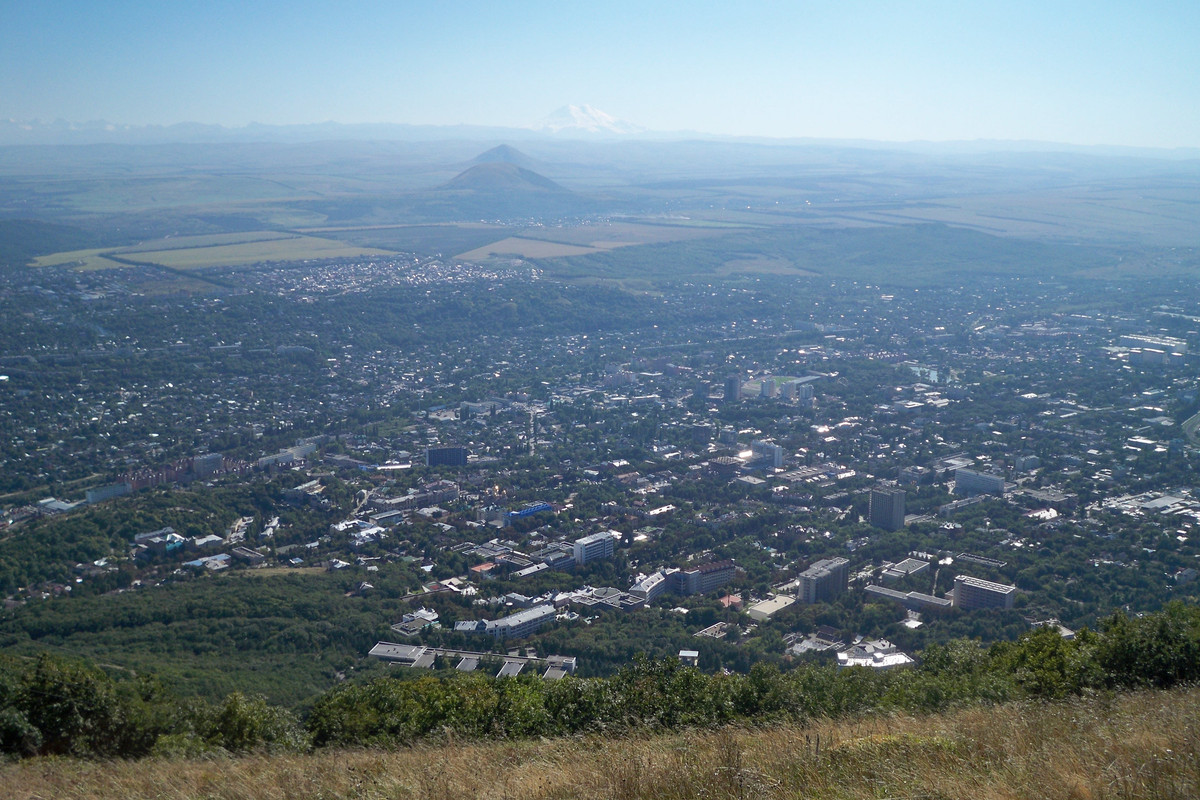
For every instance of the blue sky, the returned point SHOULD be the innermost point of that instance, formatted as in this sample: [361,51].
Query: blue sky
[1080,73]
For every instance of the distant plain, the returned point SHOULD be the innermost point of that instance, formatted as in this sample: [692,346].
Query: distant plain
[588,212]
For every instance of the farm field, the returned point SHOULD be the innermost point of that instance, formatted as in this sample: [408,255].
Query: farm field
[217,250]
[576,240]
[426,239]
[626,234]
[762,265]
[82,260]
[299,248]
[525,248]
[1161,214]
[208,240]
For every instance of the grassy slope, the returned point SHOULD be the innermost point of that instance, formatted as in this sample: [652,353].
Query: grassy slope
[1143,745]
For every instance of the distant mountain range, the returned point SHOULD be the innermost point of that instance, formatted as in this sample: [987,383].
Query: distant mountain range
[569,121]
[572,122]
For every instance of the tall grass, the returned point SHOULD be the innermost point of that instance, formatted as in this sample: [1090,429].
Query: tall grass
[1136,745]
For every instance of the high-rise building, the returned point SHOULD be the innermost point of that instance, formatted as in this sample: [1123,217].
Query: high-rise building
[768,388]
[733,389]
[887,508]
[824,580]
[972,593]
[767,453]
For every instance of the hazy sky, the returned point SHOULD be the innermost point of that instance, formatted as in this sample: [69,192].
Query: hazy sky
[1079,72]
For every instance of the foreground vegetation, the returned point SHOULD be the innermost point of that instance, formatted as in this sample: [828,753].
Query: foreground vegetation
[1137,745]
[57,707]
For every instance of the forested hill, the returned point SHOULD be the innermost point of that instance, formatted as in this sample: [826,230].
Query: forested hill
[51,706]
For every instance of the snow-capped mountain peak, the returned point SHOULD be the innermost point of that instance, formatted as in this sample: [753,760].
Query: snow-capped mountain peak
[585,119]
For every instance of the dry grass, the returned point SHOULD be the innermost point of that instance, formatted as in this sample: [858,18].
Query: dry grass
[1144,745]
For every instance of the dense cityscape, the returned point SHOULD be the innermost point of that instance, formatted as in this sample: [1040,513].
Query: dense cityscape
[490,465]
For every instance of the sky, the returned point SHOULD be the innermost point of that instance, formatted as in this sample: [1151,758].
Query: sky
[1089,73]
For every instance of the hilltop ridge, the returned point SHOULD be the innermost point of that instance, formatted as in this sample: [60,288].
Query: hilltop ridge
[1135,745]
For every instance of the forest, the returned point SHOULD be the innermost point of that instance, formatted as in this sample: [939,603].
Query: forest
[58,706]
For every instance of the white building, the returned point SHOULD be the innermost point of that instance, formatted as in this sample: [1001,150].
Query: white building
[522,623]
[879,654]
[651,587]
[973,593]
[768,452]
[593,547]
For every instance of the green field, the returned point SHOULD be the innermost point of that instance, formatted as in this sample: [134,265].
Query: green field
[625,234]
[525,248]
[217,250]
[209,240]
[299,248]
[426,239]
[80,259]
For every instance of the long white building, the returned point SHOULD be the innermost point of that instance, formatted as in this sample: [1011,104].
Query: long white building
[973,593]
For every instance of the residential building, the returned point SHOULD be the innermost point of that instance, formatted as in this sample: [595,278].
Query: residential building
[521,624]
[705,578]
[733,389]
[446,456]
[970,482]
[974,593]
[767,453]
[824,580]
[917,601]
[887,508]
[651,587]
[207,464]
[593,547]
